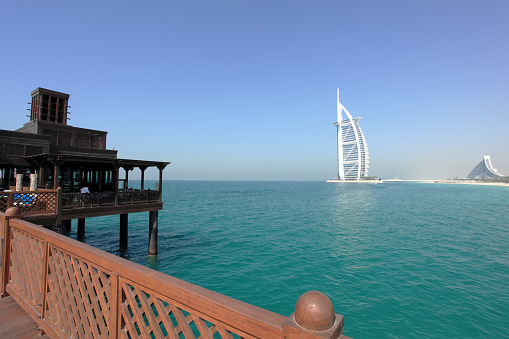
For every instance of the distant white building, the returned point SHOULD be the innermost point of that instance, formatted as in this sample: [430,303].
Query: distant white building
[484,169]
[353,155]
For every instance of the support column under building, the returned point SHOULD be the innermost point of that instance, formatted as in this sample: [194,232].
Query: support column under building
[123,230]
[81,227]
[68,225]
[152,232]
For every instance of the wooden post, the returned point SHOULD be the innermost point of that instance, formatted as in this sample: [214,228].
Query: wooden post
[142,169]
[56,170]
[4,222]
[68,225]
[123,230]
[314,318]
[100,189]
[58,222]
[10,213]
[44,289]
[10,199]
[126,183]
[152,232]
[42,176]
[81,227]
[161,168]
[114,306]
[115,179]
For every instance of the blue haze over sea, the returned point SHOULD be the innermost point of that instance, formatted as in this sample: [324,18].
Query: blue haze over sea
[398,260]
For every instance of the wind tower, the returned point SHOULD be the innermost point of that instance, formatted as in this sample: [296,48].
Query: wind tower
[49,106]
[353,155]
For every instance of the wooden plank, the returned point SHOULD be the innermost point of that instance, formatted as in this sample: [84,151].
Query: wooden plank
[114,306]
[5,303]
[15,322]
[44,282]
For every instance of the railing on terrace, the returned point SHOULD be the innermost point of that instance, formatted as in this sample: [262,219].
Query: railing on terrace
[30,202]
[74,200]
[46,201]
[75,290]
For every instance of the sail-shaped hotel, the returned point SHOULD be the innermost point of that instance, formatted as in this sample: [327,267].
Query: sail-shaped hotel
[353,156]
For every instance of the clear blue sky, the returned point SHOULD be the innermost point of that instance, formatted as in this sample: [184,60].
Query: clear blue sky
[246,90]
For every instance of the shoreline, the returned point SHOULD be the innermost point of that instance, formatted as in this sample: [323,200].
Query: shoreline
[459,182]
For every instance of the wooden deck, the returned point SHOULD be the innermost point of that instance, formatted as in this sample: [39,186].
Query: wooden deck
[15,322]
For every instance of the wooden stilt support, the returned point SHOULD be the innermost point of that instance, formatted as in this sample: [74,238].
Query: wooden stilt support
[68,225]
[61,227]
[152,232]
[81,227]
[123,230]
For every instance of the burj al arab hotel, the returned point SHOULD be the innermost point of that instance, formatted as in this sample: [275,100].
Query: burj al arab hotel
[353,156]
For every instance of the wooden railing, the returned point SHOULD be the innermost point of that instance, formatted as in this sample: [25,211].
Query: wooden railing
[30,202]
[75,290]
[75,200]
[47,201]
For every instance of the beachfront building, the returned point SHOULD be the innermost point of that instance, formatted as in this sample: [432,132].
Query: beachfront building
[484,170]
[62,155]
[48,157]
[353,155]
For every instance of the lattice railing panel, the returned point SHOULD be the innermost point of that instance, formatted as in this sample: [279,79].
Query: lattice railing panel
[78,297]
[4,203]
[12,149]
[82,140]
[152,195]
[65,139]
[53,135]
[26,266]
[33,150]
[139,196]
[125,197]
[145,196]
[70,200]
[145,314]
[107,198]
[35,201]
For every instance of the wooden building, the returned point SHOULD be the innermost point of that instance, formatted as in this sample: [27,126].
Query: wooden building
[70,158]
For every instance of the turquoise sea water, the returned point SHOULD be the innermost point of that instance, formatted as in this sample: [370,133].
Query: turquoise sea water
[398,260]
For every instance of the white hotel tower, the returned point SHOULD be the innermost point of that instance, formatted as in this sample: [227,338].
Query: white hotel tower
[353,156]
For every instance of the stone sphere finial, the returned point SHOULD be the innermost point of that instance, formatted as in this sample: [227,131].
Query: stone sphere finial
[314,311]
[12,211]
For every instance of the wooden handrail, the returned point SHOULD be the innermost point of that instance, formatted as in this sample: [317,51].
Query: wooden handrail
[30,202]
[63,282]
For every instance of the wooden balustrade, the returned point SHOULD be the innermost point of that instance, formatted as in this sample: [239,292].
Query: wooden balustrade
[46,201]
[76,200]
[75,290]
[30,202]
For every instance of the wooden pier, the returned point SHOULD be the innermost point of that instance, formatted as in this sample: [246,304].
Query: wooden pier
[72,290]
